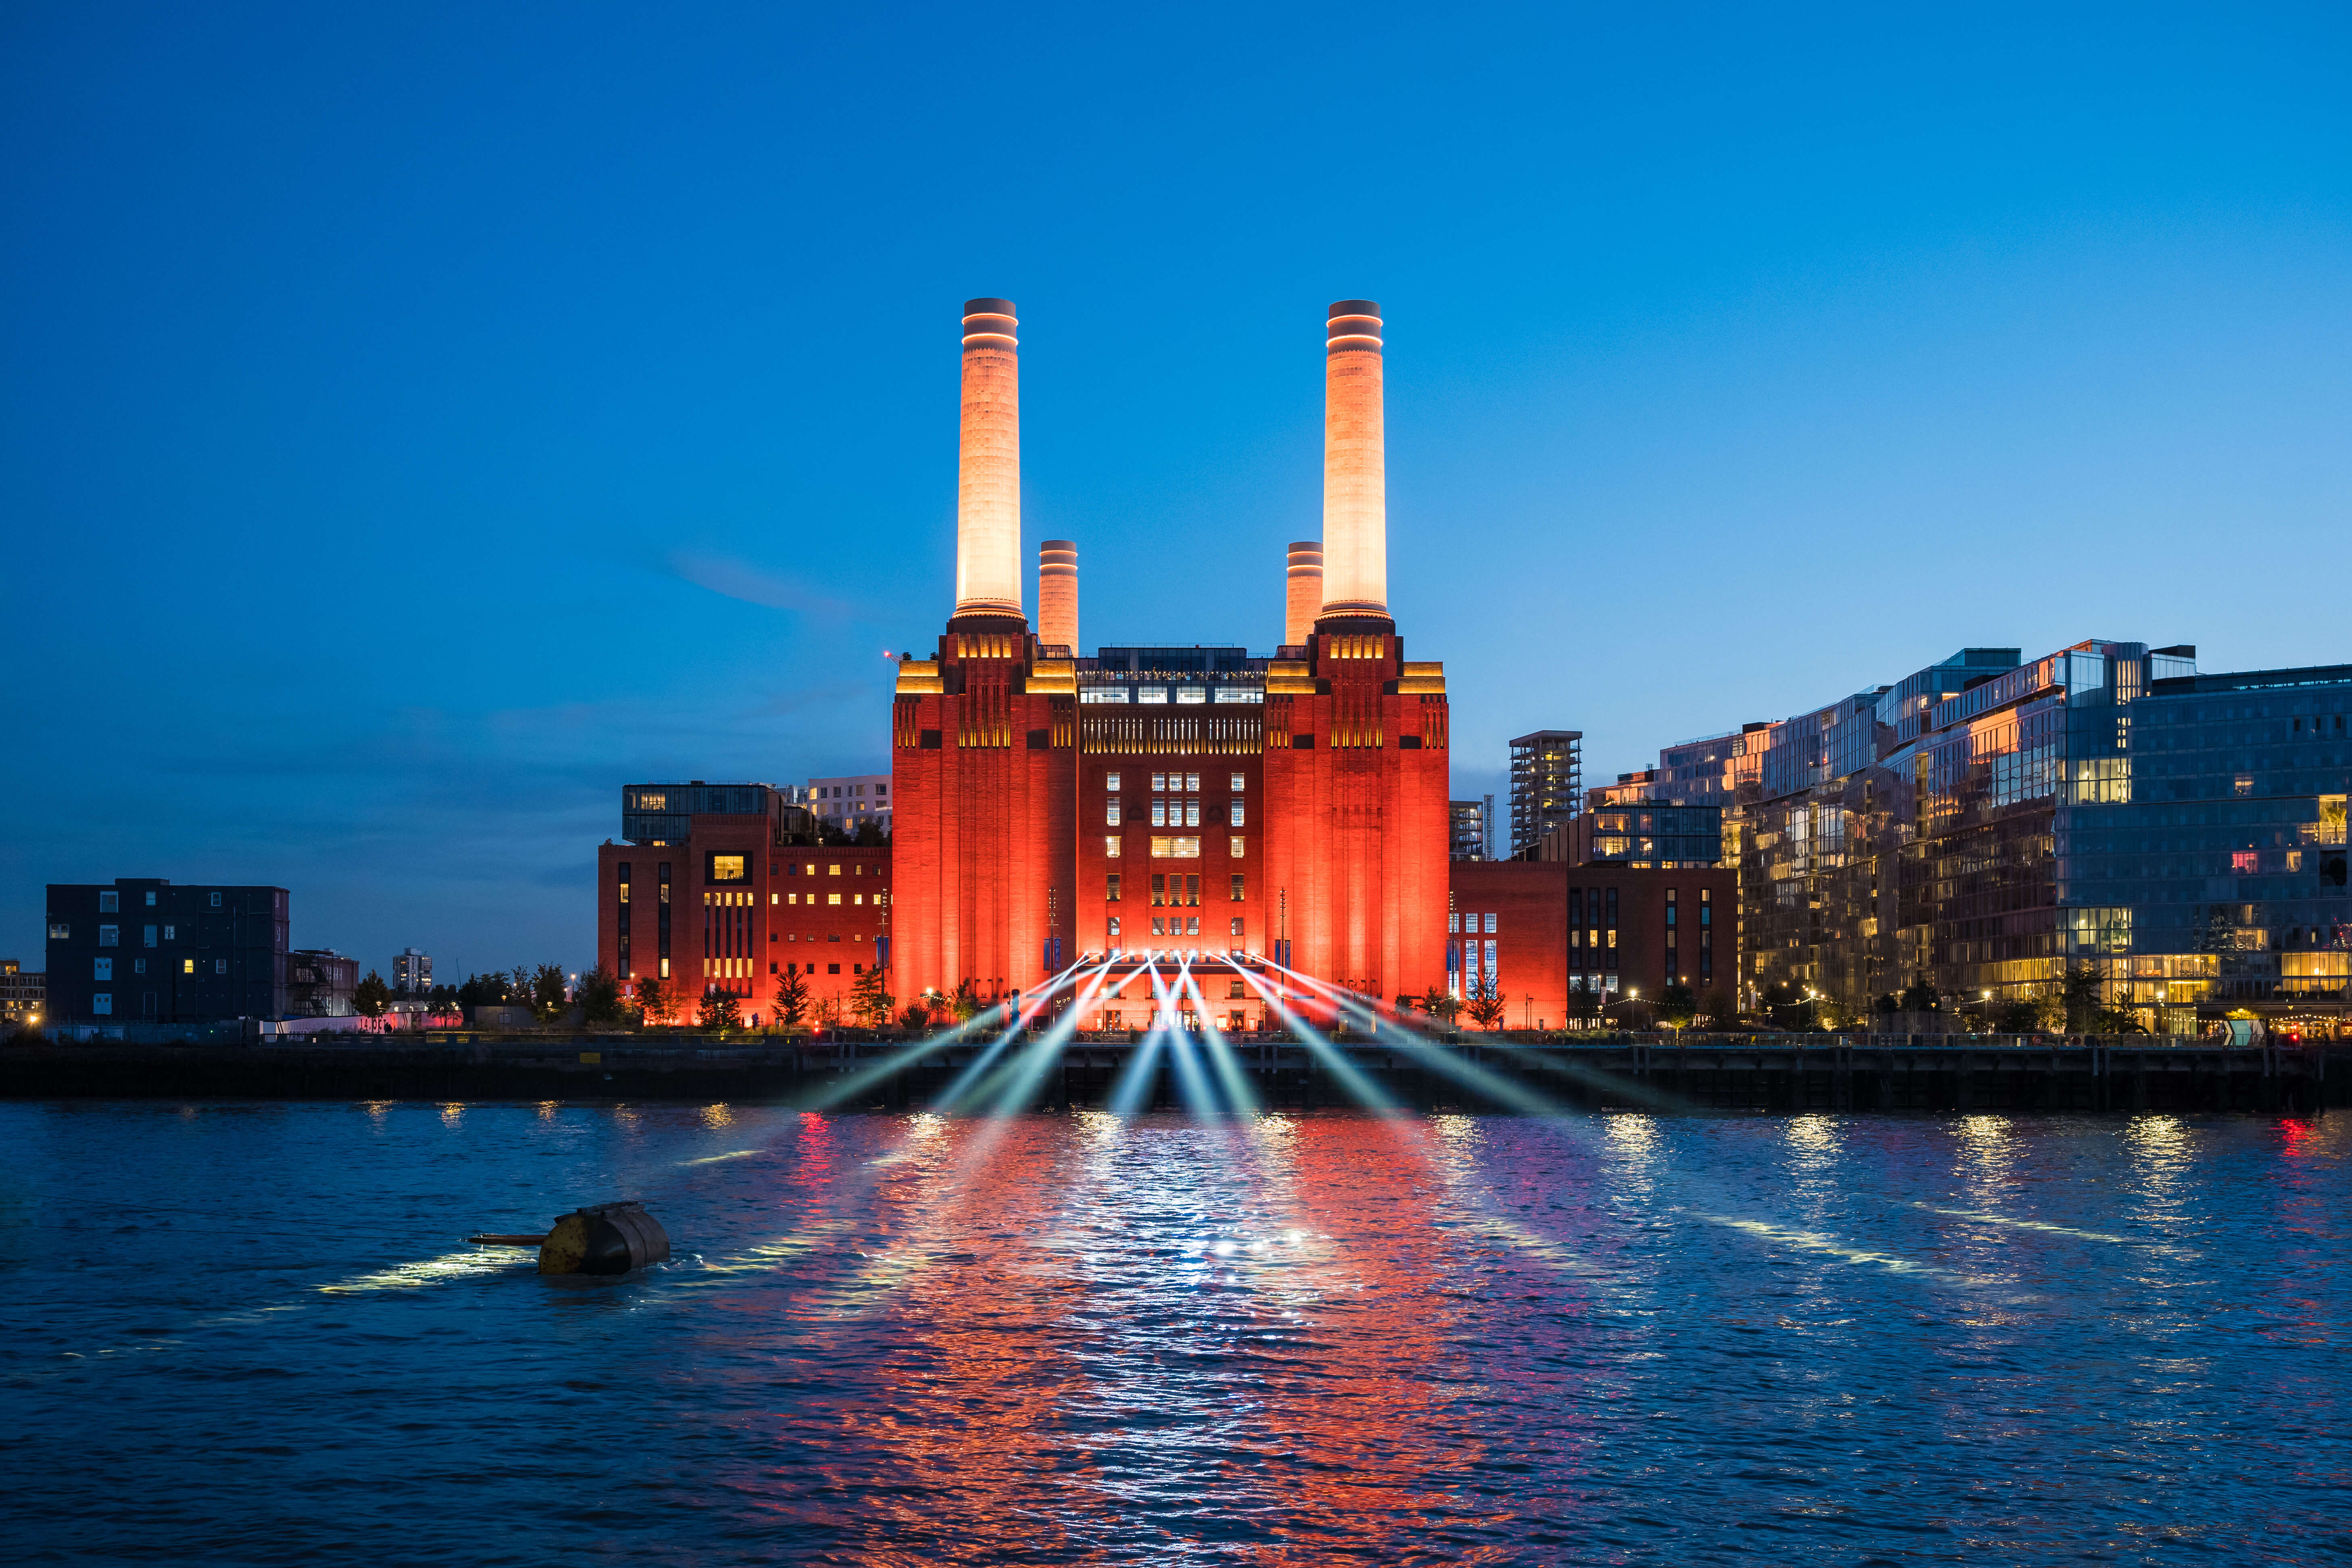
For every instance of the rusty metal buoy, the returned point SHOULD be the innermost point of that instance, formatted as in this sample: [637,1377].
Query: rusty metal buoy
[602,1238]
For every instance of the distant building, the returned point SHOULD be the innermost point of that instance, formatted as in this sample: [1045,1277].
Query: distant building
[23,996]
[1466,822]
[724,899]
[1547,786]
[850,802]
[319,984]
[1537,931]
[411,972]
[144,950]
[1642,834]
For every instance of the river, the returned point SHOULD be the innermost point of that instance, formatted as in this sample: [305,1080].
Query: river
[249,1333]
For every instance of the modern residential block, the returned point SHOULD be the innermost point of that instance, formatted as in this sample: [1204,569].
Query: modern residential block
[143,949]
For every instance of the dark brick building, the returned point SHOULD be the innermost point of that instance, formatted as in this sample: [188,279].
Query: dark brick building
[144,950]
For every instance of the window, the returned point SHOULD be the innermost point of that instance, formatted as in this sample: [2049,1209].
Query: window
[718,867]
[109,903]
[1192,925]
[1158,891]
[1241,782]
[103,1003]
[1193,891]
[101,969]
[1235,813]
[1237,927]
[187,966]
[1191,781]
[881,790]
[1490,924]
[220,966]
[1159,814]
[1453,923]
[149,935]
[652,802]
[1110,782]
[1159,782]
[833,969]
[1110,848]
[1159,925]
[151,898]
[834,869]
[832,898]
[137,966]
[2245,782]
[1110,814]
[1237,887]
[109,936]
[1236,843]
[216,901]
[60,930]
[1175,849]
[2242,863]
[168,934]
[1114,926]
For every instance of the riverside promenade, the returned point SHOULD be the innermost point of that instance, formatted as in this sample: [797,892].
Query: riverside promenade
[1503,1070]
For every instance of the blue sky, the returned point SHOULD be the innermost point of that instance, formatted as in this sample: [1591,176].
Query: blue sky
[414,426]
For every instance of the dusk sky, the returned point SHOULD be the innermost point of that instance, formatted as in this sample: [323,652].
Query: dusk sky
[418,424]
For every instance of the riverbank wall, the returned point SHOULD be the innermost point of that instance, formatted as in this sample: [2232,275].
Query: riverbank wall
[1505,1070]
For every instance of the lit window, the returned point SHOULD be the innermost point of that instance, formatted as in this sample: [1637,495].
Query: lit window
[2242,861]
[834,870]
[1110,888]
[1237,887]
[1236,814]
[1158,926]
[1114,925]
[1490,923]
[1110,782]
[1159,814]
[1191,781]
[1178,848]
[1241,781]
[1159,781]
[1192,925]
[1453,924]
[856,898]
[1191,814]
[1110,814]
[1238,925]
[1237,841]
[832,898]
[187,966]
[1110,848]
[60,930]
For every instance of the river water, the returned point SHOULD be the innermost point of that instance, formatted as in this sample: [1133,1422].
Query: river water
[247,1333]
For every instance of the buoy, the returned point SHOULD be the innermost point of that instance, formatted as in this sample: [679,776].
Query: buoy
[602,1239]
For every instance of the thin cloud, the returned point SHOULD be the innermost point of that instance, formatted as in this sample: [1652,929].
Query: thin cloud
[738,580]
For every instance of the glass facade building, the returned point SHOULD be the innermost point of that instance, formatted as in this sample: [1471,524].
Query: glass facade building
[1986,823]
[1547,786]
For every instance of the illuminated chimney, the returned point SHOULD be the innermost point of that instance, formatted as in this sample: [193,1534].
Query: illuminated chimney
[1355,485]
[1057,593]
[1303,600]
[988,465]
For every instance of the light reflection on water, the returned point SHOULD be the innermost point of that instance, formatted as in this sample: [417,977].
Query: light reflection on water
[1318,1338]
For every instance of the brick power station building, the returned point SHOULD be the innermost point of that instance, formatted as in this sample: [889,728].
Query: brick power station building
[1145,804]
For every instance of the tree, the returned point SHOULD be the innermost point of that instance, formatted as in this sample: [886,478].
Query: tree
[1485,1003]
[655,1003]
[965,1003]
[547,993]
[870,835]
[717,1013]
[1676,1004]
[1919,997]
[869,999]
[2020,1017]
[372,995]
[914,1017]
[519,984]
[482,990]
[1583,1004]
[2081,993]
[443,998]
[600,997]
[1441,1004]
[1717,1008]
[792,1000]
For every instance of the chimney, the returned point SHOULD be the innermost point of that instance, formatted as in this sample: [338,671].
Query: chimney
[1303,600]
[1058,593]
[988,465]
[1355,484]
